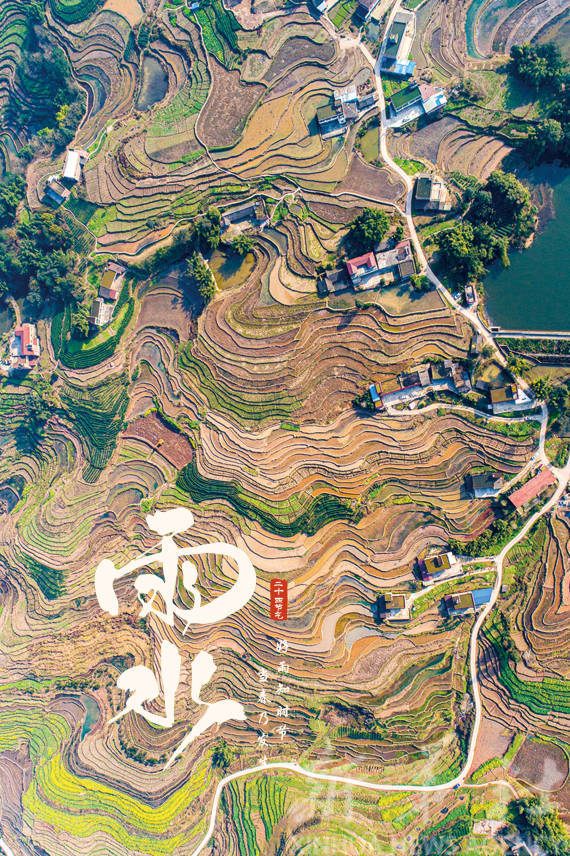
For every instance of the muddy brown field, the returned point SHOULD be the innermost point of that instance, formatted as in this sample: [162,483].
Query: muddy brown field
[229,104]
[152,431]
[541,764]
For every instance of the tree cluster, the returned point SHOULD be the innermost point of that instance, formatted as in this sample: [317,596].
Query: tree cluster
[12,191]
[367,230]
[40,404]
[222,756]
[201,276]
[38,259]
[203,236]
[420,283]
[534,818]
[543,68]
[472,245]
[53,102]
[555,396]
[538,65]
[497,534]
[242,244]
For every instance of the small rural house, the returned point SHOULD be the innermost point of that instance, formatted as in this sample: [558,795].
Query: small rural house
[467,602]
[393,605]
[431,194]
[101,312]
[55,191]
[75,160]
[336,281]
[364,8]
[112,281]
[363,271]
[395,58]
[435,566]
[485,485]
[501,395]
[397,264]
[252,213]
[24,348]
[428,98]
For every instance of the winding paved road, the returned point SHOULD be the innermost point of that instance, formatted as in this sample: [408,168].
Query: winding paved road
[562,476]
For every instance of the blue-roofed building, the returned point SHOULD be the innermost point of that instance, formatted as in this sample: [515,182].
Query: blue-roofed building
[468,602]
[481,597]
[374,395]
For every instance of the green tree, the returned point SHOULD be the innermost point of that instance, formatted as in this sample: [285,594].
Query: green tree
[420,282]
[207,230]
[534,817]
[12,191]
[546,139]
[542,388]
[242,244]
[222,756]
[199,272]
[537,65]
[459,252]
[80,327]
[368,229]
[399,232]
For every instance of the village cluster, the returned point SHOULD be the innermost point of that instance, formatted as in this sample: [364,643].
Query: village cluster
[399,606]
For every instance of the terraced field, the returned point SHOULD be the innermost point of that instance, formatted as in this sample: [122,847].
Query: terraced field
[242,411]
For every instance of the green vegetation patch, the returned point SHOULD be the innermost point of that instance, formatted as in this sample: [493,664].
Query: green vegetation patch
[50,580]
[285,519]
[73,11]
[97,413]
[410,166]
[271,796]
[219,31]
[77,353]
[248,408]
[542,697]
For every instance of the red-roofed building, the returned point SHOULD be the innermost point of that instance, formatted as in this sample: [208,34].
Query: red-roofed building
[533,488]
[361,264]
[363,271]
[24,347]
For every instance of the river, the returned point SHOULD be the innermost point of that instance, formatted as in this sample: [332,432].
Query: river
[534,292]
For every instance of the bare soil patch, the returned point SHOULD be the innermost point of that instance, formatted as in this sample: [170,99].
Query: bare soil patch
[295,51]
[171,445]
[369,181]
[229,104]
[425,143]
[334,213]
[543,765]
[493,742]
[164,308]
[129,9]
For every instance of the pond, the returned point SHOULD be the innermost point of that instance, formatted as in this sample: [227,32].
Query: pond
[533,293]
[230,269]
[154,83]
[91,714]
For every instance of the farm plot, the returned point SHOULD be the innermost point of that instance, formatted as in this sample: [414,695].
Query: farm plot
[297,51]
[425,142]
[227,107]
[152,431]
[369,182]
[543,765]
[471,154]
